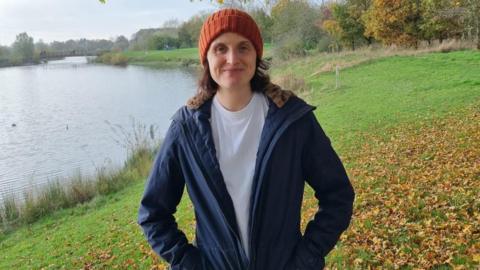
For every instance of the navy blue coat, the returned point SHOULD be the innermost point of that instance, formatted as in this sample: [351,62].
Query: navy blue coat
[293,150]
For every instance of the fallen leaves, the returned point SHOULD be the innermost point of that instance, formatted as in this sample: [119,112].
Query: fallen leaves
[417,193]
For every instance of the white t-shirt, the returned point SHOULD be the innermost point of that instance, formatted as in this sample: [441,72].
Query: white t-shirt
[236,136]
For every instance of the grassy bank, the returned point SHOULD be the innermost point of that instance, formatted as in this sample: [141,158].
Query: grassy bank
[187,57]
[407,128]
[68,192]
[156,59]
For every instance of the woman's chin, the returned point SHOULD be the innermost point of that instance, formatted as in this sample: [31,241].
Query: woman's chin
[232,83]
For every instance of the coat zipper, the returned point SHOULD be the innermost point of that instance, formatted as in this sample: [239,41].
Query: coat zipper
[261,172]
[200,161]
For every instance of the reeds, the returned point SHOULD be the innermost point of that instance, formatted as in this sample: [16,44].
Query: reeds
[78,189]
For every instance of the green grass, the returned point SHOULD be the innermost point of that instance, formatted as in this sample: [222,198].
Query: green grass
[164,59]
[147,56]
[101,233]
[373,97]
[381,94]
[171,58]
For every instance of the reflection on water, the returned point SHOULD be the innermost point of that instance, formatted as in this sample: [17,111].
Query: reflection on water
[54,117]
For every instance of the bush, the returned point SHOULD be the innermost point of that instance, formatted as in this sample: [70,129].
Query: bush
[291,46]
[110,58]
[292,82]
[119,59]
[453,45]
[159,42]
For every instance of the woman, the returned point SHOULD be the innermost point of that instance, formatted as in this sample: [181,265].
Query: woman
[244,149]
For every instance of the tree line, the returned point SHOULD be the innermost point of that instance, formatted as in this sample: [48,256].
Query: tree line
[402,22]
[292,27]
[26,51]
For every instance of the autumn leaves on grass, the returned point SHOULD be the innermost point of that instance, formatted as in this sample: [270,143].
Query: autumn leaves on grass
[417,196]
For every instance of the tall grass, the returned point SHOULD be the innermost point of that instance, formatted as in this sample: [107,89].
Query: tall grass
[316,63]
[9,212]
[64,193]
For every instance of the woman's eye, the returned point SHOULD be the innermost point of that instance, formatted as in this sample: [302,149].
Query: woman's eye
[244,48]
[220,49]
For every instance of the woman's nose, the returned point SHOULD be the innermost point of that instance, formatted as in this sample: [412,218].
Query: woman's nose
[232,56]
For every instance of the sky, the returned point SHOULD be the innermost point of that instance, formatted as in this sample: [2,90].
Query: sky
[61,20]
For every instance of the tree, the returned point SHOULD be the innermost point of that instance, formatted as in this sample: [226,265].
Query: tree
[41,49]
[189,31]
[4,56]
[394,22]
[158,42]
[472,22]
[264,22]
[334,30]
[23,47]
[121,43]
[294,29]
[349,20]
[41,46]
[140,40]
[442,20]
[4,51]
[358,9]
[172,23]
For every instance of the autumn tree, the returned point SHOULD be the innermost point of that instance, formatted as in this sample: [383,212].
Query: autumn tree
[358,10]
[349,20]
[335,31]
[394,22]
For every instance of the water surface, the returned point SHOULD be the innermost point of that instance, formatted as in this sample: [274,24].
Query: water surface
[64,117]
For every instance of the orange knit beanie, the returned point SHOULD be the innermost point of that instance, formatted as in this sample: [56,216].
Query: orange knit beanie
[229,20]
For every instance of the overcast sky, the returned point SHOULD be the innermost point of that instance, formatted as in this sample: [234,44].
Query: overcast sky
[61,20]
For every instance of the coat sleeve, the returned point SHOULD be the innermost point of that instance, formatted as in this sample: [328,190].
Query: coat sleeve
[163,192]
[325,173]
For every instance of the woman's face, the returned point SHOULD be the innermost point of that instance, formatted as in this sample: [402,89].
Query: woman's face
[232,61]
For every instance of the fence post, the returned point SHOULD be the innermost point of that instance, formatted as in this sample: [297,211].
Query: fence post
[337,75]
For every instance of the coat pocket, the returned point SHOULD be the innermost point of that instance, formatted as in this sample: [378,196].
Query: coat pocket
[303,259]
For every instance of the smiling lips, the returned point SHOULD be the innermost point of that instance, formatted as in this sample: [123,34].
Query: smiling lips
[232,69]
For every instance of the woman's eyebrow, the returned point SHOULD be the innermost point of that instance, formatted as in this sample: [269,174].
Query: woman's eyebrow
[217,44]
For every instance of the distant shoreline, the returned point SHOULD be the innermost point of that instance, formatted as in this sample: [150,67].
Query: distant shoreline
[37,62]
[184,57]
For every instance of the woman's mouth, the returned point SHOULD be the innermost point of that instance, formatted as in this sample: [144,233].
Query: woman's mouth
[232,69]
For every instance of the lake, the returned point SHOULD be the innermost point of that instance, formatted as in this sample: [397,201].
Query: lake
[68,117]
